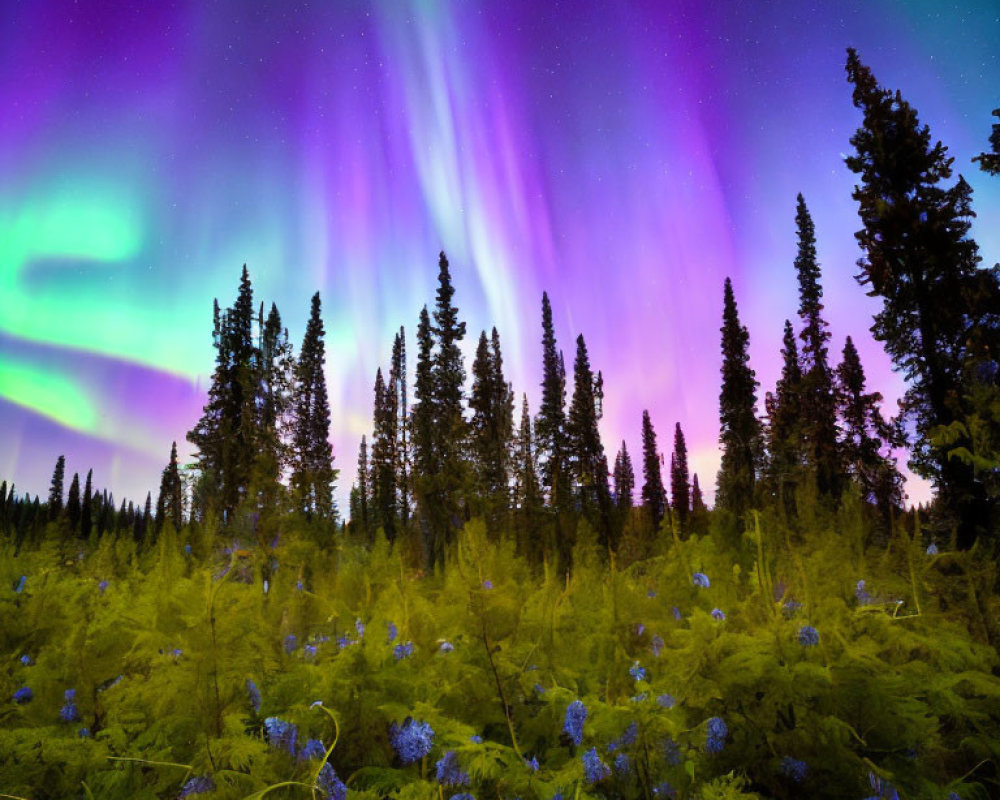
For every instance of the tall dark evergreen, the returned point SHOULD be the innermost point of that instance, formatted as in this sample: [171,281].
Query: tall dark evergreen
[443,430]
[398,383]
[274,399]
[990,162]
[361,495]
[170,503]
[550,425]
[624,477]
[73,505]
[587,462]
[680,485]
[867,437]
[940,312]
[654,496]
[739,428]
[87,506]
[55,489]
[312,474]
[697,500]
[817,403]
[383,460]
[784,423]
[528,504]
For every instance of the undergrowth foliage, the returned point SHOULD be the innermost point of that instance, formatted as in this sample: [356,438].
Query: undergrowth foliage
[179,672]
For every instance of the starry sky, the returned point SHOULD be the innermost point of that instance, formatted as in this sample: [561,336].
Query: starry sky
[625,157]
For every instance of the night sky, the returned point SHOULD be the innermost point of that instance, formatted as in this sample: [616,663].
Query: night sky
[624,157]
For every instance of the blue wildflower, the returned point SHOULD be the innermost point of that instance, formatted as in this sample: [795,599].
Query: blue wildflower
[539,689]
[359,626]
[187,549]
[666,701]
[808,636]
[664,789]
[312,749]
[393,632]
[26,660]
[716,736]
[677,614]
[20,584]
[700,579]
[401,651]
[476,739]
[794,769]
[177,653]
[330,784]
[622,763]
[462,796]
[315,703]
[640,629]
[69,712]
[103,586]
[932,549]
[657,644]
[447,647]
[198,785]
[254,694]
[309,651]
[83,733]
[718,614]
[883,789]
[299,586]
[281,734]
[861,593]
[448,772]
[790,607]
[487,584]
[639,697]
[23,695]
[412,740]
[532,763]
[595,769]
[630,735]
[576,713]
[344,641]
[637,672]
[291,643]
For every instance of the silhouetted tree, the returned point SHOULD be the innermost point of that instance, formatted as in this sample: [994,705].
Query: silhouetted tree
[56,489]
[654,496]
[680,487]
[784,424]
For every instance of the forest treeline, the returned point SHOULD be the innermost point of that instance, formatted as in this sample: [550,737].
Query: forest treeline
[444,456]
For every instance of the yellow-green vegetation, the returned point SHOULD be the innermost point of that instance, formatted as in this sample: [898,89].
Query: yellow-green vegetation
[809,665]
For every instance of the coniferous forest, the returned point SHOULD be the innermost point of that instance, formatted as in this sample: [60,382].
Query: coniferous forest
[508,609]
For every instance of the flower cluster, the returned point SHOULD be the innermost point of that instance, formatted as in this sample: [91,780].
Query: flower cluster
[281,734]
[198,785]
[26,660]
[700,579]
[401,651]
[627,739]
[448,772]
[932,549]
[637,672]
[69,712]
[861,593]
[412,740]
[716,738]
[447,647]
[20,584]
[23,695]
[291,643]
[532,763]
[666,700]
[595,769]
[718,614]
[313,748]
[103,586]
[883,789]
[576,713]
[392,631]
[622,763]
[808,636]
[330,784]
[794,769]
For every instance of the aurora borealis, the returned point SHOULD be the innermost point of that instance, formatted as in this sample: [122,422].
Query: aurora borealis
[624,157]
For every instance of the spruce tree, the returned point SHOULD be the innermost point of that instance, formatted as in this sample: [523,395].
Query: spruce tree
[784,423]
[55,490]
[697,501]
[528,503]
[550,425]
[275,375]
[87,507]
[680,487]
[866,435]
[425,458]
[587,462]
[624,477]
[312,475]
[383,460]
[73,505]
[740,430]
[936,302]
[654,496]
[817,404]
[361,495]
[397,380]
[170,503]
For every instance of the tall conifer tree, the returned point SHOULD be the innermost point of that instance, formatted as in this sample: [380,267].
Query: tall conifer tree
[87,506]
[740,430]
[383,459]
[73,505]
[397,380]
[936,302]
[170,504]
[550,425]
[680,486]
[624,477]
[359,512]
[56,489]
[784,422]
[312,475]
[816,400]
[528,502]
[654,496]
